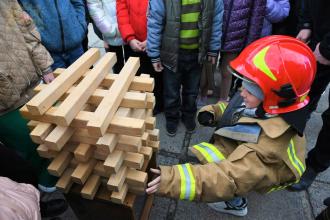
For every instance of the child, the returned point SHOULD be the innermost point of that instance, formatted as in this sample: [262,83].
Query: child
[262,150]
[181,35]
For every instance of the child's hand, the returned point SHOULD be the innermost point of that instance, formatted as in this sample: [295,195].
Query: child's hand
[135,45]
[153,186]
[158,67]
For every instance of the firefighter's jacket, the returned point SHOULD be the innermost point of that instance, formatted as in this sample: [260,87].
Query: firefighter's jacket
[233,168]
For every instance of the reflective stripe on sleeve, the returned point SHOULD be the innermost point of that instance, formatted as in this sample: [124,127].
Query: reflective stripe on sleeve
[188,183]
[209,152]
[296,163]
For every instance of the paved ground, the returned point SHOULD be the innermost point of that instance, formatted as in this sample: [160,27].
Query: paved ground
[278,205]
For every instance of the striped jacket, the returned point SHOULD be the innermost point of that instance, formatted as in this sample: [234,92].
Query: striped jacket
[233,168]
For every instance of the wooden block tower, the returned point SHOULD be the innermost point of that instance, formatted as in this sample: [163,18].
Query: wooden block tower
[97,127]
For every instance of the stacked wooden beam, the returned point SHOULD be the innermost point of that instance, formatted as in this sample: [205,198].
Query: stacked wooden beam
[96,127]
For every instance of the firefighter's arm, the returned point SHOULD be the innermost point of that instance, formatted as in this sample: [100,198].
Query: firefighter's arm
[235,176]
[210,114]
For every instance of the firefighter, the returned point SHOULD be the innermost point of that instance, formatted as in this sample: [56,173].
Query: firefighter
[262,148]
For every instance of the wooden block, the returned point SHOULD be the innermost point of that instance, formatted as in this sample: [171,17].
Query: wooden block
[149,113]
[128,126]
[154,145]
[139,113]
[123,112]
[107,108]
[130,100]
[64,183]
[116,180]
[58,137]
[136,178]
[144,84]
[150,100]
[107,142]
[100,170]
[136,190]
[147,152]
[44,152]
[71,147]
[60,162]
[41,102]
[153,134]
[84,152]
[134,160]
[40,132]
[90,188]
[144,75]
[144,138]
[32,124]
[150,123]
[129,143]
[118,125]
[74,103]
[100,155]
[82,171]
[114,161]
[119,197]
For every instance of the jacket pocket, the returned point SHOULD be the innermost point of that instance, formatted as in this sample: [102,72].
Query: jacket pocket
[9,93]
[239,153]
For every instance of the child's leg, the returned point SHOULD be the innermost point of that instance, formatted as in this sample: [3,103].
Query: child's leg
[225,75]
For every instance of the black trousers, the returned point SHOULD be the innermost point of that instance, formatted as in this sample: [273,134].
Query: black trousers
[120,57]
[16,168]
[319,157]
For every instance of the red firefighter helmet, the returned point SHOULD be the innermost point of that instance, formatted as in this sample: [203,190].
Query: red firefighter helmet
[283,67]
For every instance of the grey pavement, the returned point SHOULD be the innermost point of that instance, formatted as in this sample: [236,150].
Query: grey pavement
[278,205]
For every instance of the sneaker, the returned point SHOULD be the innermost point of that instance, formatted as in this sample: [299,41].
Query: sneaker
[171,129]
[190,125]
[53,207]
[226,207]
[306,180]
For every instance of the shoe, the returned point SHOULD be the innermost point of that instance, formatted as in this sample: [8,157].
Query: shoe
[53,207]
[226,207]
[46,189]
[306,180]
[190,125]
[171,128]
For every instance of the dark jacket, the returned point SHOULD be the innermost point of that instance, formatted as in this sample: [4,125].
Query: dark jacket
[315,15]
[164,30]
[242,23]
[61,23]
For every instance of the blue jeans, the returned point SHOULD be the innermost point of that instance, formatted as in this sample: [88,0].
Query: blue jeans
[65,59]
[188,76]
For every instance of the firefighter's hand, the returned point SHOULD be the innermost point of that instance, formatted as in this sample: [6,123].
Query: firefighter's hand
[205,118]
[153,186]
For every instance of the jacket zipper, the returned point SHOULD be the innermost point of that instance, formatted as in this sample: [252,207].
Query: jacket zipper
[61,25]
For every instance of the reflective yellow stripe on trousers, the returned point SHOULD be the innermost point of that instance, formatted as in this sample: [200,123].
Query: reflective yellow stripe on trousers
[188,183]
[296,163]
[209,152]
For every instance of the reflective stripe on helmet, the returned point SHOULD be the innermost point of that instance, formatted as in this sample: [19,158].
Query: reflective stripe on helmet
[188,183]
[209,152]
[260,63]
